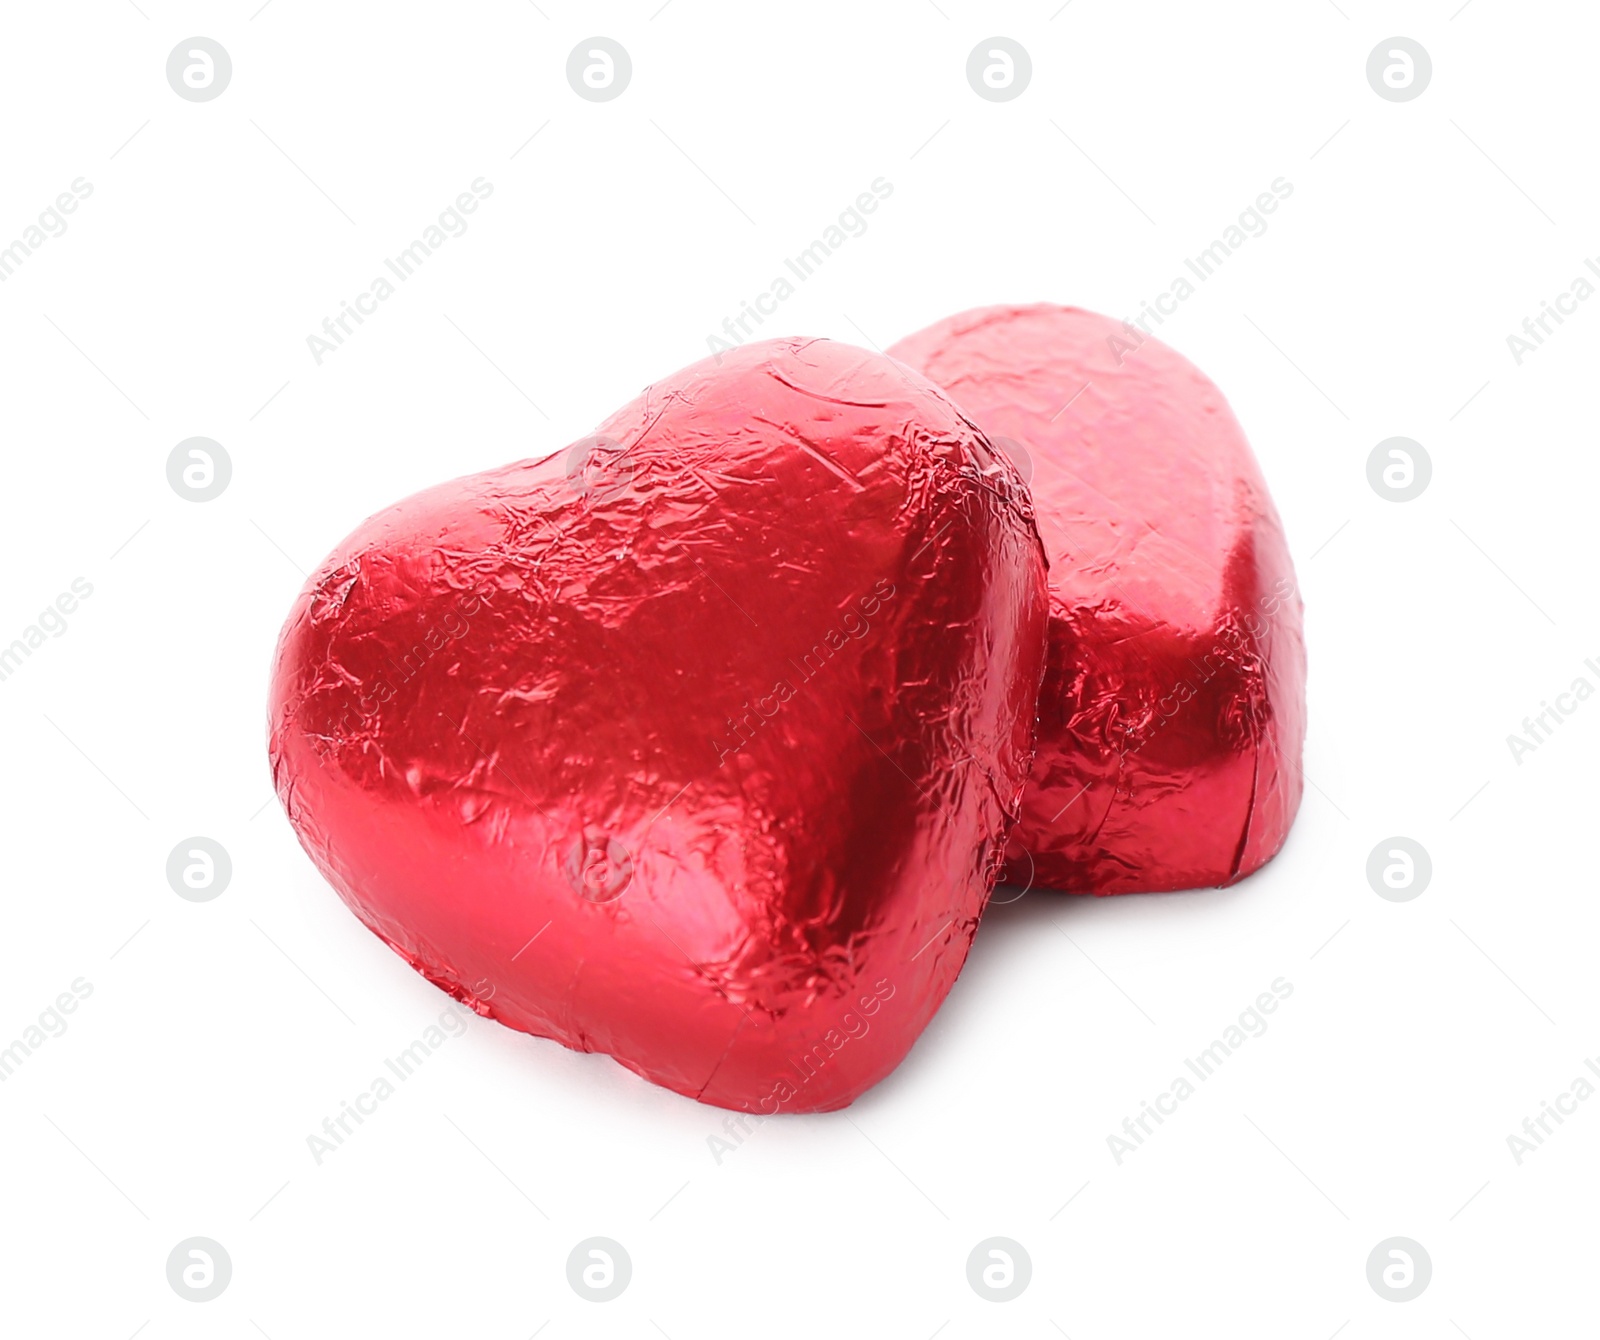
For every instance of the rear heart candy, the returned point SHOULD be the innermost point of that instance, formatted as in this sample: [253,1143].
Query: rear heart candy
[696,743]
[1173,709]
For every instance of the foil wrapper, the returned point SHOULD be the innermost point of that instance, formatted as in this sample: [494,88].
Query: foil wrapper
[696,743]
[1173,711]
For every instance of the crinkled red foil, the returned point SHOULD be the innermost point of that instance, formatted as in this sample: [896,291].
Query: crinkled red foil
[696,743]
[1173,710]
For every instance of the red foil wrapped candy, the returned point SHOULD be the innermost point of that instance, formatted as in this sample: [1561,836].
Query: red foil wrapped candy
[696,743]
[1173,710]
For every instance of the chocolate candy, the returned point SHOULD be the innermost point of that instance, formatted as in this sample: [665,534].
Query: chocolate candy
[696,743]
[1173,710]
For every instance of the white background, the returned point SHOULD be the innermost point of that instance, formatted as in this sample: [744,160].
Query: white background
[1418,1037]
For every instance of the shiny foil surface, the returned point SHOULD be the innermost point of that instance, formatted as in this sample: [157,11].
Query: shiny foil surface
[696,743]
[1173,710]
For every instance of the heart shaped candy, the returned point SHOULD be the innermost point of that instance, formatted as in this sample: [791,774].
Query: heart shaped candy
[697,743]
[1173,710]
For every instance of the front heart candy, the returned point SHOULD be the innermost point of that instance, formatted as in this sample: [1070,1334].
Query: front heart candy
[696,744]
[1173,709]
